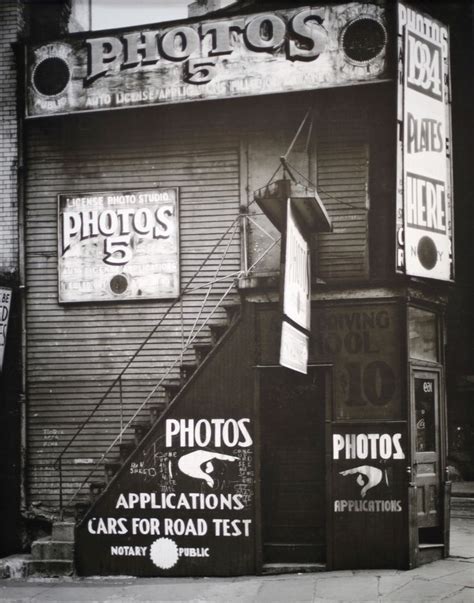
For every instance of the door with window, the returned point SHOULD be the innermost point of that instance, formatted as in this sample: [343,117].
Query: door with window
[427,452]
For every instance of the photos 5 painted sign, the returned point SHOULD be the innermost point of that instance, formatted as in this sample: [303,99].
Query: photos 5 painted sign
[425,229]
[118,245]
[243,55]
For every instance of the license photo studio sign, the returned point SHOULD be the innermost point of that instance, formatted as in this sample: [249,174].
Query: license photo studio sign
[425,227]
[243,55]
[118,245]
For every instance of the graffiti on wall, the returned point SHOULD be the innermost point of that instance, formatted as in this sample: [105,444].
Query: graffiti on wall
[118,245]
[187,495]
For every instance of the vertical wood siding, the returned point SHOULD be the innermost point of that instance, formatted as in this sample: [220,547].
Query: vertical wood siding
[75,351]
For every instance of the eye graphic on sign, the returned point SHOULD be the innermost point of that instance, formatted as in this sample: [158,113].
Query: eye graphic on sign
[199,464]
[367,477]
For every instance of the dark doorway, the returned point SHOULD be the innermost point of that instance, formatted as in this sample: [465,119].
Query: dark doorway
[292,413]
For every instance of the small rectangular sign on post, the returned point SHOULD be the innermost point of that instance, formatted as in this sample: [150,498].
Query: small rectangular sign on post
[119,245]
[5,304]
[296,294]
[294,348]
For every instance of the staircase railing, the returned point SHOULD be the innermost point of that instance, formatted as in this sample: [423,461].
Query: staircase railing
[219,277]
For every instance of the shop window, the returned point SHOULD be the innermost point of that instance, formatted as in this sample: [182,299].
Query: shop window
[423,335]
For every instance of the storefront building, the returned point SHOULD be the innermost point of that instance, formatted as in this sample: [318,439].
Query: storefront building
[162,411]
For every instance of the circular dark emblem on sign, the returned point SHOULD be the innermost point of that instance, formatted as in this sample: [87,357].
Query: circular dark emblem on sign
[427,253]
[119,284]
[51,76]
[364,39]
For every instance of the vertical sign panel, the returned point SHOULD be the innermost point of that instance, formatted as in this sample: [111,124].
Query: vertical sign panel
[296,294]
[5,302]
[118,246]
[425,173]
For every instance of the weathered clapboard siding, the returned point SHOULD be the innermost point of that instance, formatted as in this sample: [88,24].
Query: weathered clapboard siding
[75,351]
[342,178]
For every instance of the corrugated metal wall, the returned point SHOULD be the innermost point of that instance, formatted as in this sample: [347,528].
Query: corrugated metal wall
[75,351]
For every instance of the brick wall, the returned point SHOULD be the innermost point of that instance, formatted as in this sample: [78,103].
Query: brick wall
[10,22]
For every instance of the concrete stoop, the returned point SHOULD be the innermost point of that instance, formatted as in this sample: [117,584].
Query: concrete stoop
[53,556]
[462,506]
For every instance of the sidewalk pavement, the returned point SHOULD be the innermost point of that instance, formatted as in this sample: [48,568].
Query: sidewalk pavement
[450,580]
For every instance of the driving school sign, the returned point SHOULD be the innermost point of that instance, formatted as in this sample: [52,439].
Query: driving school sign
[118,245]
[425,227]
[296,49]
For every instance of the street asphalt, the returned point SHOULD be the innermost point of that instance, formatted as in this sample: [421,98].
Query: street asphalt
[450,580]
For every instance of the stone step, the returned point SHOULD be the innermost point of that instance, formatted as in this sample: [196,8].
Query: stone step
[52,568]
[44,550]
[462,506]
[63,531]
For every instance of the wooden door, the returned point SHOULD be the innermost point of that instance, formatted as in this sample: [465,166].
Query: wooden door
[427,454]
[292,465]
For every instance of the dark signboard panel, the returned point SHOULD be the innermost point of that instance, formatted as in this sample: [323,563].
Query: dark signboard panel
[369,495]
[183,504]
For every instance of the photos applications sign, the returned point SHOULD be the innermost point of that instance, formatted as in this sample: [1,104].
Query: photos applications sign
[424,226]
[234,56]
[118,245]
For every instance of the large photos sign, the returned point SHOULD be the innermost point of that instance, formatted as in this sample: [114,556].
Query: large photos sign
[280,51]
[425,236]
[118,245]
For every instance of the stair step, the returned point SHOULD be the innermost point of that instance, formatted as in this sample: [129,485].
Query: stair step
[202,350]
[80,509]
[95,490]
[110,469]
[50,568]
[126,449]
[232,309]
[217,330]
[186,370]
[140,430]
[171,387]
[462,506]
[44,550]
[63,531]
[156,410]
